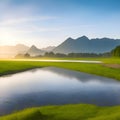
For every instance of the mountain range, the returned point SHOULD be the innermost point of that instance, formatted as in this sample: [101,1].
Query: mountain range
[80,45]
[85,45]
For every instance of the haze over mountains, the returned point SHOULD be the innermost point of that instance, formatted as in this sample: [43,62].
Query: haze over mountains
[86,45]
[11,51]
[34,51]
[80,45]
[48,49]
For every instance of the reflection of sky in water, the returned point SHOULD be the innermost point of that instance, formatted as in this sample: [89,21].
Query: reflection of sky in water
[56,86]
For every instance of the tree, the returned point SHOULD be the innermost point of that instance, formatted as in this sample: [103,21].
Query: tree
[116,52]
[26,55]
[60,55]
[49,54]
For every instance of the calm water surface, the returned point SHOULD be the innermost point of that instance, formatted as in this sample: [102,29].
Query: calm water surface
[53,86]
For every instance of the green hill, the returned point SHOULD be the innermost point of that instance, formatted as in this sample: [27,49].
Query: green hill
[67,112]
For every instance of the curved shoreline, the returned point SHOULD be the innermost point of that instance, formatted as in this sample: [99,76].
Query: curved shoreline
[67,112]
[15,66]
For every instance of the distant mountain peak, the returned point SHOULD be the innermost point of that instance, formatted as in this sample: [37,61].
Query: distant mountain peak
[69,38]
[34,51]
[83,38]
[33,47]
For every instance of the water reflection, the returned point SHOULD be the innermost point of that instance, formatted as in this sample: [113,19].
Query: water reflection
[50,86]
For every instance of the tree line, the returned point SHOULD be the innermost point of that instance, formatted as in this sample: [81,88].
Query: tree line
[115,53]
[60,55]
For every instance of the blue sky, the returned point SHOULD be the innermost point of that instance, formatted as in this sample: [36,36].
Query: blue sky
[50,22]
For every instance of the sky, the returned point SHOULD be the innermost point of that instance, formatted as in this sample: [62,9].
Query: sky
[49,22]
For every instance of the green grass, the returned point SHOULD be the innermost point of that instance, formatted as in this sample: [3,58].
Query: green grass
[113,60]
[9,66]
[67,112]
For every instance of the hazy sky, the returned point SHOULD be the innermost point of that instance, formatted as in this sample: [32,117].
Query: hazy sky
[50,22]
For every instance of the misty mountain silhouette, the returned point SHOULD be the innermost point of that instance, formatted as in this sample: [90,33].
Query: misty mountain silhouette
[34,51]
[85,45]
[48,49]
[11,51]
[80,45]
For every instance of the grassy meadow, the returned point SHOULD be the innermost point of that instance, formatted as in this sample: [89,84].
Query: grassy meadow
[14,66]
[65,112]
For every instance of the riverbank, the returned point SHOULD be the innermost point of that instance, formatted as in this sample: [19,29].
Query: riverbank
[103,69]
[67,112]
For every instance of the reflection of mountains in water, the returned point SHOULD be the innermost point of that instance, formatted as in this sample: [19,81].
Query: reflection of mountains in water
[81,76]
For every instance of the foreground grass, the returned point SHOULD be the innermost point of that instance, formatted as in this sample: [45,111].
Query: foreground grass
[67,112]
[9,66]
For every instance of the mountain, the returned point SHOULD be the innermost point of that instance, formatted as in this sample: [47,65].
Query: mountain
[85,45]
[48,49]
[11,51]
[34,51]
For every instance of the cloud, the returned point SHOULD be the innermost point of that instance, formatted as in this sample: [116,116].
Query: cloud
[22,19]
[15,21]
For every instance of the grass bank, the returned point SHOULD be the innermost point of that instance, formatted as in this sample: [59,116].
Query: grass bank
[67,112]
[9,67]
